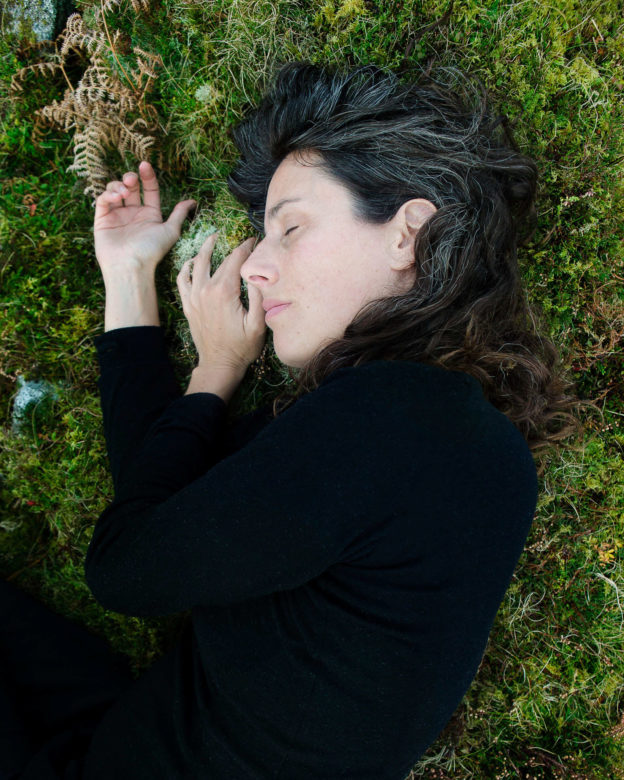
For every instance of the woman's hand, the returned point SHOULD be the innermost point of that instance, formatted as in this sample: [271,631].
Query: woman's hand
[227,336]
[130,233]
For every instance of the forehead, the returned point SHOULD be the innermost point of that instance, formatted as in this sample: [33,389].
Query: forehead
[301,183]
[290,172]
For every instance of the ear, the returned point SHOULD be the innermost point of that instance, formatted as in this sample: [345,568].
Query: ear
[406,223]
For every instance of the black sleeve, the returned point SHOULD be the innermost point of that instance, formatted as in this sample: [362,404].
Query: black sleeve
[136,385]
[185,530]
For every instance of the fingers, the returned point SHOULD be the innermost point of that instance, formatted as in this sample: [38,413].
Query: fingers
[129,190]
[201,269]
[255,315]
[110,199]
[151,194]
[132,188]
[183,281]
[228,273]
[180,213]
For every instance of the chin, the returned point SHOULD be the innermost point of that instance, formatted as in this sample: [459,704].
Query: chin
[291,362]
[290,358]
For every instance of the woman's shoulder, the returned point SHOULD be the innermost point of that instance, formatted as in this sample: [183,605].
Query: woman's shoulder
[408,390]
[447,437]
[445,407]
[398,405]
[407,376]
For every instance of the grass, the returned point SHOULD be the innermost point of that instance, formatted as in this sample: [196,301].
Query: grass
[548,701]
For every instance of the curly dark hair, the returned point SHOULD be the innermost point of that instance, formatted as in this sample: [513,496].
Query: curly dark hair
[388,142]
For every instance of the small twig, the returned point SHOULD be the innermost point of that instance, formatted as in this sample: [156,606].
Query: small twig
[60,64]
[12,377]
[599,33]
[114,52]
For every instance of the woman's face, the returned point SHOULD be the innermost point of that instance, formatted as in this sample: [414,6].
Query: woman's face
[321,262]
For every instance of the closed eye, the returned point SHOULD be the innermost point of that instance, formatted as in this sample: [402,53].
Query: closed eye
[290,230]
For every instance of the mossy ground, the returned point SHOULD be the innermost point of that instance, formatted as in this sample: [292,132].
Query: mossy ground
[548,701]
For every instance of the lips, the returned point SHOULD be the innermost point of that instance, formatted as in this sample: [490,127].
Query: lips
[270,303]
[275,310]
[273,307]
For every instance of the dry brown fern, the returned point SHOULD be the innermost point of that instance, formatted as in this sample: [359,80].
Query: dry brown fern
[137,5]
[98,109]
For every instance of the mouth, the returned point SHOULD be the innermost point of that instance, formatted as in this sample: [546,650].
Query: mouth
[275,310]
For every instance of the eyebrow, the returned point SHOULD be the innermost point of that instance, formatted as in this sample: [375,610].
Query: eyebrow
[273,212]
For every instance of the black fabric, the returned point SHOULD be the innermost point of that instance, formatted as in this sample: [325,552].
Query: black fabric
[56,682]
[343,565]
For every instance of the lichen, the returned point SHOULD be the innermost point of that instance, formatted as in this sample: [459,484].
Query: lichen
[32,16]
[29,395]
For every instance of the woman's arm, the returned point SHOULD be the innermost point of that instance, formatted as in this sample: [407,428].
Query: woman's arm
[131,298]
[131,239]
[212,379]
[136,383]
[186,528]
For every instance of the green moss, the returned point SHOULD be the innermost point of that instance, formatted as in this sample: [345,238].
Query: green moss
[548,695]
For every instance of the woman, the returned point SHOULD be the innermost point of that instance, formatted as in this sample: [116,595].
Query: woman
[344,557]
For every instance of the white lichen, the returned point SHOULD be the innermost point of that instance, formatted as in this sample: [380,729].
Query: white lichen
[38,16]
[29,395]
[207,94]
[188,246]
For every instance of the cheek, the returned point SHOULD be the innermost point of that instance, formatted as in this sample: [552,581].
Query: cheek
[338,303]
[328,280]
[348,287]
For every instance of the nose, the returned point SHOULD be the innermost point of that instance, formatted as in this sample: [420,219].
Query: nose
[259,268]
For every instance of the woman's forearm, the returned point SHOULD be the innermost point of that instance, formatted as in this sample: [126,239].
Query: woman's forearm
[130,298]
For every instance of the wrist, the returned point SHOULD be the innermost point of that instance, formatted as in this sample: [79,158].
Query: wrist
[131,297]
[219,380]
[124,271]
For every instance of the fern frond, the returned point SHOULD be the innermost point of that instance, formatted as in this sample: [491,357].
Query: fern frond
[89,152]
[58,114]
[99,108]
[138,6]
[41,67]
[109,5]
[77,37]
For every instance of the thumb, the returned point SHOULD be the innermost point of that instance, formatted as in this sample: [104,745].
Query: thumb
[180,213]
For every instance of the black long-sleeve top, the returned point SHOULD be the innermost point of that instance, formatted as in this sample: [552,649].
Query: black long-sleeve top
[343,564]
